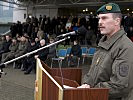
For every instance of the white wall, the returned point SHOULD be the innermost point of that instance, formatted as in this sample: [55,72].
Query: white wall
[48,12]
[18,15]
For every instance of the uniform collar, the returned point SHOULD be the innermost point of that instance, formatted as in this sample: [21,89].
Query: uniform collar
[106,44]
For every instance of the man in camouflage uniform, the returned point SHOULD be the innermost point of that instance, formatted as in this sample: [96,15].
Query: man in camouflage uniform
[112,65]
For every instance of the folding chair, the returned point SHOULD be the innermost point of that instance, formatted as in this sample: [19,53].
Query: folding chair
[68,52]
[84,53]
[91,51]
[78,58]
[61,54]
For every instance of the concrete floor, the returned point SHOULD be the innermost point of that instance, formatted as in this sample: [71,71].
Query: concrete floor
[17,86]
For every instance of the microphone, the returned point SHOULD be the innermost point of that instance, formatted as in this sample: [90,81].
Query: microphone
[68,34]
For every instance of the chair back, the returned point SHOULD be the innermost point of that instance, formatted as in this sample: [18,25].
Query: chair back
[84,50]
[62,53]
[91,51]
[68,51]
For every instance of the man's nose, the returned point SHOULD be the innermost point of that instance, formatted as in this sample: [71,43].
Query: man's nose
[99,21]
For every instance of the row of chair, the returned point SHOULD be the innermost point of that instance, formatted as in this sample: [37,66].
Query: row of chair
[64,53]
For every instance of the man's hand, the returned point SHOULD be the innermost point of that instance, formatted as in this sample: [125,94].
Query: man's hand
[84,86]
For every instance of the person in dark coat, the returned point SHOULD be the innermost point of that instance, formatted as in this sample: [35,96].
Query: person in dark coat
[42,55]
[13,48]
[5,45]
[52,49]
[30,59]
[75,53]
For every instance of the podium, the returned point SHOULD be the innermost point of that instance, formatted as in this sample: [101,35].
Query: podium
[50,81]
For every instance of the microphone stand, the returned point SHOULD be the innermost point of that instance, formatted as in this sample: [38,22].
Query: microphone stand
[27,54]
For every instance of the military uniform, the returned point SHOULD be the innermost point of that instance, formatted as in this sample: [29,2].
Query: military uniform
[22,49]
[9,55]
[112,66]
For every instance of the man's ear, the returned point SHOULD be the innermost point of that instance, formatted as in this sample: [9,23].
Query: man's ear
[118,21]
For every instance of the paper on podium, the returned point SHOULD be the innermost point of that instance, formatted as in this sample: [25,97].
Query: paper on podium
[67,87]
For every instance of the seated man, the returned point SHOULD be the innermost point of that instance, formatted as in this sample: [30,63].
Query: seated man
[27,60]
[75,53]
[5,45]
[42,54]
[13,48]
[22,49]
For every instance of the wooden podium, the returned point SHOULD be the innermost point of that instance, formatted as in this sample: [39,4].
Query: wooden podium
[49,85]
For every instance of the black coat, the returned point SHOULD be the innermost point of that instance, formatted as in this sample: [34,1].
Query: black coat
[43,54]
[76,50]
[5,46]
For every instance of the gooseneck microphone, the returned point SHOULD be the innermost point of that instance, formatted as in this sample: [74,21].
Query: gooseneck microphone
[68,34]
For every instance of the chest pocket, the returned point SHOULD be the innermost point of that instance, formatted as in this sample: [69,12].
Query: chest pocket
[100,58]
[98,65]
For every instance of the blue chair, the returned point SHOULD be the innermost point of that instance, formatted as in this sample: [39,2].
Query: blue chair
[84,53]
[68,52]
[61,54]
[91,51]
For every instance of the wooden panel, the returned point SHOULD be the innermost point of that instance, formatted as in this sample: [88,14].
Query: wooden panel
[64,81]
[52,90]
[49,89]
[68,73]
[86,94]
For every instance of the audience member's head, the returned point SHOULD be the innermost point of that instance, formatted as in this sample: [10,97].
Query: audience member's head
[8,37]
[36,29]
[42,42]
[14,40]
[51,40]
[23,39]
[32,42]
[75,42]
[18,38]
[36,39]
[3,38]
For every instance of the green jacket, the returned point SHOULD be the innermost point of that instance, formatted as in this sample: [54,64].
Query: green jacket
[112,67]
[13,48]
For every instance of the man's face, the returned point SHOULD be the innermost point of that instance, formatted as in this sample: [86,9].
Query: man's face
[106,24]
[42,43]
[23,39]
[7,38]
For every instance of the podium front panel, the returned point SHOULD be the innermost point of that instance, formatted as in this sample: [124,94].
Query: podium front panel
[86,94]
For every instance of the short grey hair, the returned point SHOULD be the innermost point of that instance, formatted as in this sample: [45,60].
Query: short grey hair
[42,41]
[117,15]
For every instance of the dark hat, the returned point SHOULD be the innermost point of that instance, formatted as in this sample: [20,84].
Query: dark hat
[109,8]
